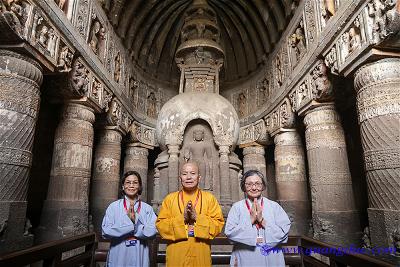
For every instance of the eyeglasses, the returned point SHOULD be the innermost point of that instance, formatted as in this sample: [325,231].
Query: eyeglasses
[131,183]
[250,185]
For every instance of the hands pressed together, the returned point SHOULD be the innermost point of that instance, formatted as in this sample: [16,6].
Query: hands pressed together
[131,213]
[189,214]
[256,215]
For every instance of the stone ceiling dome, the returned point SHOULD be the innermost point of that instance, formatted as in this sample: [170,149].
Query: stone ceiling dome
[183,108]
[151,31]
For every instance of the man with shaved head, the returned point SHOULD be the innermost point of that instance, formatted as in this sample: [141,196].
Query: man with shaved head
[189,218]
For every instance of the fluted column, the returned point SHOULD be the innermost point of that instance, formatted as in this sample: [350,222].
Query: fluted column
[225,183]
[136,159]
[335,218]
[106,174]
[291,181]
[65,211]
[378,105]
[173,168]
[20,80]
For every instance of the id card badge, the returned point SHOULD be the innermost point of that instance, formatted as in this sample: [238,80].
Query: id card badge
[191,230]
[131,242]
[260,240]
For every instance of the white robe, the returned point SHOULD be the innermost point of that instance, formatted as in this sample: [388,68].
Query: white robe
[239,229]
[118,227]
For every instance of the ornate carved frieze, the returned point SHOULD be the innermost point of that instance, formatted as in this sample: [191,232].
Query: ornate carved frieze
[81,20]
[79,78]
[114,113]
[254,133]
[380,13]
[310,22]
[97,36]
[263,88]
[282,117]
[142,134]
[15,15]
[326,10]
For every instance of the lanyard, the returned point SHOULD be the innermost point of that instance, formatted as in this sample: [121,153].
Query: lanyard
[138,208]
[258,225]
[195,203]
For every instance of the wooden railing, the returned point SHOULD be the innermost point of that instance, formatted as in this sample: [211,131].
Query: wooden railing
[51,253]
[295,253]
[298,245]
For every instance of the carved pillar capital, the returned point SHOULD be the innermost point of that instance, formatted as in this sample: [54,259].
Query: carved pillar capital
[258,150]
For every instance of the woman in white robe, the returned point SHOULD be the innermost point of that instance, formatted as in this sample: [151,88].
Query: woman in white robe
[128,223]
[256,225]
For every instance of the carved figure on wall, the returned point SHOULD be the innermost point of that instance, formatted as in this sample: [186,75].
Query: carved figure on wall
[114,113]
[65,59]
[133,86]
[80,79]
[96,34]
[96,89]
[303,93]
[13,12]
[37,20]
[199,55]
[151,105]
[378,10]
[297,44]
[242,104]
[263,91]
[117,68]
[279,70]
[51,44]
[200,151]
[327,9]
[61,4]
[43,35]
[354,39]
[323,89]
[199,84]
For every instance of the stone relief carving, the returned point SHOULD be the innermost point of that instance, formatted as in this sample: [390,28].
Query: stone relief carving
[322,89]
[350,40]
[79,78]
[366,238]
[242,105]
[297,43]
[287,117]
[151,105]
[117,67]
[65,59]
[114,113]
[82,16]
[107,97]
[16,14]
[331,60]
[279,69]
[97,37]
[310,21]
[198,145]
[61,4]
[255,132]
[133,87]
[262,91]
[43,35]
[380,11]
[96,91]
[327,8]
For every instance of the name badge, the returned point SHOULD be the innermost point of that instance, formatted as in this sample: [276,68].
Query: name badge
[131,242]
[191,230]
[260,240]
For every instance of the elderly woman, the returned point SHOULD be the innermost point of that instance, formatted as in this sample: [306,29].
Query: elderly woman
[128,223]
[256,225]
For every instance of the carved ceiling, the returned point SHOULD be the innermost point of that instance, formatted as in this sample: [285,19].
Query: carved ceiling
[150,30]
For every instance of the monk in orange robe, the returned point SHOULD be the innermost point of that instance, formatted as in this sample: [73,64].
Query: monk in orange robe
[189,218]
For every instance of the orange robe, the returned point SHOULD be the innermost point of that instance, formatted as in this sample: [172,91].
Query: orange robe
[184,250]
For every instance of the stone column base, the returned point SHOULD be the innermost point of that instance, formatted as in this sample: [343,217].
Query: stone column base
[382,224]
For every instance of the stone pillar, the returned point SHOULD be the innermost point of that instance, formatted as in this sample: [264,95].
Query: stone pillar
[20,80]
[291,181]
[225,183]
[254,159]
[65,211]
[378,105]
[106,174]
[335,218]
[136,159]
[173,168]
